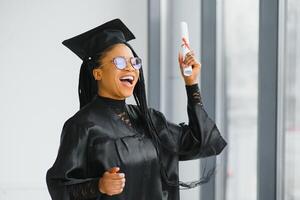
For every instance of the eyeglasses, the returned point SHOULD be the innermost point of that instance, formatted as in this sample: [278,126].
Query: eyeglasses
[121,62]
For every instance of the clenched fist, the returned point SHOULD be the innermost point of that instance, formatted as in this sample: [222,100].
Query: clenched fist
[112,183]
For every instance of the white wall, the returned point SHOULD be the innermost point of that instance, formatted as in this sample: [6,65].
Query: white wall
[39,77]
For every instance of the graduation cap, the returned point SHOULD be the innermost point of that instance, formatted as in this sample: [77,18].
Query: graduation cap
[88,44]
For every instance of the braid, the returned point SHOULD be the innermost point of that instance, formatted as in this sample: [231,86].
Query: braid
[87,87]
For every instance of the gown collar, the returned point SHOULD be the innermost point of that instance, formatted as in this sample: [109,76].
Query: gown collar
[115,103]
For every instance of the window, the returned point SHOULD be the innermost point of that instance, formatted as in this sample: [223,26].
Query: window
[239,24]
[291,120]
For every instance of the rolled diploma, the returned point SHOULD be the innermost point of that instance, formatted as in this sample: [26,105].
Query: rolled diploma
[187,71]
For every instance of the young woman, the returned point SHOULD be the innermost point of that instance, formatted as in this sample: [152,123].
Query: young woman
[112,150]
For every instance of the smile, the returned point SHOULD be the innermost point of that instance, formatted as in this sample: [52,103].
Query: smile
[127,79]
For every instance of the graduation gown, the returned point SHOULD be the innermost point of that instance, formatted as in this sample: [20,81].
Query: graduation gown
[96,139]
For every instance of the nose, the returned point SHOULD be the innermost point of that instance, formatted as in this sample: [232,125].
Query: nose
[129,67]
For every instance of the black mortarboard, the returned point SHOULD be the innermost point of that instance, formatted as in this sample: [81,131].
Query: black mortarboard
[94,41]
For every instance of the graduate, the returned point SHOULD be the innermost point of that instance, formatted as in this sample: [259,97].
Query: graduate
[113,150]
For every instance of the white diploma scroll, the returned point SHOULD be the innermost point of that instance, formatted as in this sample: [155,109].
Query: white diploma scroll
[187,71]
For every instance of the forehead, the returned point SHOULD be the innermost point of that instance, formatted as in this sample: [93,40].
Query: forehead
[119,50]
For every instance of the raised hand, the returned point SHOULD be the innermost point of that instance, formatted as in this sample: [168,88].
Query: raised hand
[190,60]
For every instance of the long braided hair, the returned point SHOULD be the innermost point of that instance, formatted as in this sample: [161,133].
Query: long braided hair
[88,88]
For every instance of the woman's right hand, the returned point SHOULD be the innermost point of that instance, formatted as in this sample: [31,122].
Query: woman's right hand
[112,183]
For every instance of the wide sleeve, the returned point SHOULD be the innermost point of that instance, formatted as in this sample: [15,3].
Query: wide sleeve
[200,137]
[68,177]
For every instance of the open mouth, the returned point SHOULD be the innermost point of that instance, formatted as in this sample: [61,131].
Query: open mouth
[127,79]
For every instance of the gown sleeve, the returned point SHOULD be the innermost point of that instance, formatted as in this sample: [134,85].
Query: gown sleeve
[68,177]
[200,137]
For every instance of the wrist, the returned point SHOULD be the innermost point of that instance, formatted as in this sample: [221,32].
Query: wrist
[192,82]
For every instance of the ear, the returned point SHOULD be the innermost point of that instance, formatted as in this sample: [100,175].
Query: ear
[97,73]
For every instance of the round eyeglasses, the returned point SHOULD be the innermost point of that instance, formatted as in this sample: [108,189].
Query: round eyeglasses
[121,62]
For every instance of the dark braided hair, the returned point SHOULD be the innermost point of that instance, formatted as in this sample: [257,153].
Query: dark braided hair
[88,88]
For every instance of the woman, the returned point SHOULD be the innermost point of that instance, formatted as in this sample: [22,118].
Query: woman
[111,150]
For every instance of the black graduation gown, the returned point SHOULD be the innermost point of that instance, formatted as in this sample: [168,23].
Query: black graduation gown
[96,139]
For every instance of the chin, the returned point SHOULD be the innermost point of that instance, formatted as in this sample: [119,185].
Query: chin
[126,95]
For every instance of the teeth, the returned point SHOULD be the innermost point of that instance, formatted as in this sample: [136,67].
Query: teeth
[127,77]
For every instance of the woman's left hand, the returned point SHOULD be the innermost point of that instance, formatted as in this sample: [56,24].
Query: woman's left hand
[190,60]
